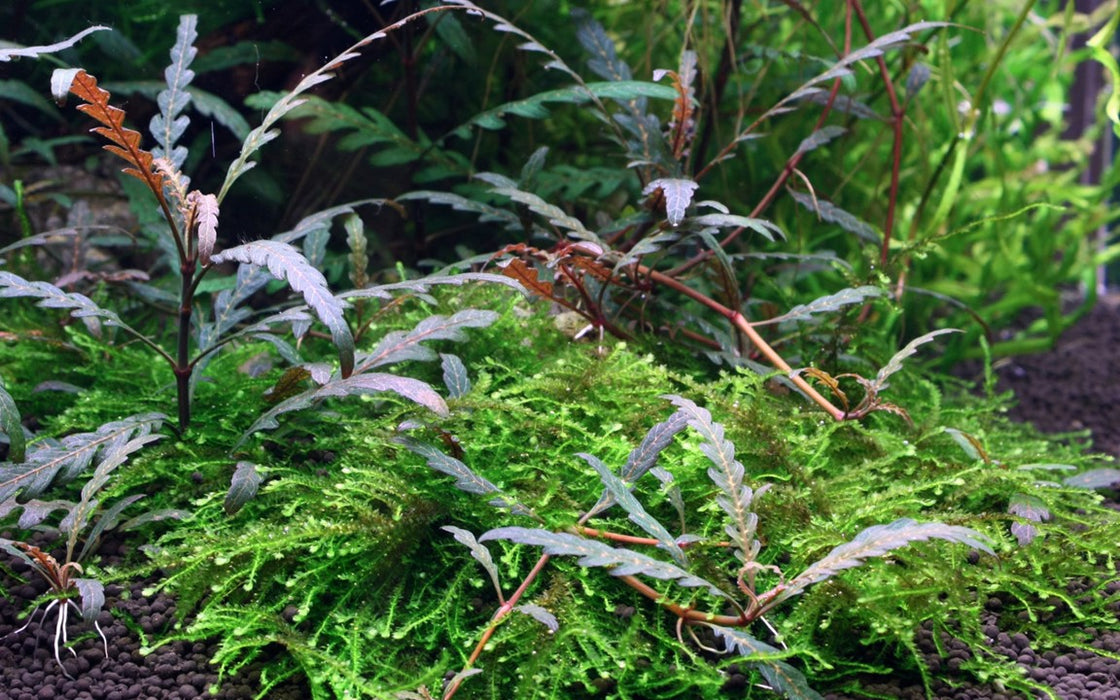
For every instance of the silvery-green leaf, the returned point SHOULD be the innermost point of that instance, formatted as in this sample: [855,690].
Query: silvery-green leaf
[243,487]
[455,376]
[11,426]
[620,492]
[539,614]
[618,562]
[895,363]
[285,262]
[479,552]
[678,195]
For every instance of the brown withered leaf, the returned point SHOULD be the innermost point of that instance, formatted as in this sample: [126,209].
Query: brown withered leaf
[125,142]
[528,277]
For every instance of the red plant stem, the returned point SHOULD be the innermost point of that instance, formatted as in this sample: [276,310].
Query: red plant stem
[898,115]
[632,539]
[503,610]
[183,367]
[748,330]
[682,612]
[783,177]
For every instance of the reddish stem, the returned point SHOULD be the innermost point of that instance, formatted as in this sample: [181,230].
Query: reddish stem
[898,115]
[504,609]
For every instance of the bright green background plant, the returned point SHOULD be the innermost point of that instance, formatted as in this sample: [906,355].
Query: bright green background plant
[342,559]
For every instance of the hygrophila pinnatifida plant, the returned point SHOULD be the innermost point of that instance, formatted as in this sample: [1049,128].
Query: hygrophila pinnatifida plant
[191,220]
[827,133]
[753,590]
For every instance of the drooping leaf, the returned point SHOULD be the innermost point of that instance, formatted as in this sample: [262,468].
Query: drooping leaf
[10,52]
[534,107]
[285,262]
[539,614]
[92,593]
[834,214]
[455,376]
[784,679]
[80,306]
[678,195]
[486,213]
[831,302]
[480,553]
[229,305]
[355,385]
[266,132]
[1094,479]
[465,478]
[619,562]
[34,510]
[242,487]
[555,215]
[727,474]
[206,213]
[844,104]
[766,229]
[11,426]
[63,460]
[873,49]
[400,346]
[108,520]
[877,541]
[420,287]
[820,137]
[895,363]
[620,492]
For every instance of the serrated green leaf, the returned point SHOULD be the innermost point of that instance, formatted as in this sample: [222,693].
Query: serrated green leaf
[465,478]
[783,678]
[400,346]
[831,302]
[535,107]
[834,214]
[727,474]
